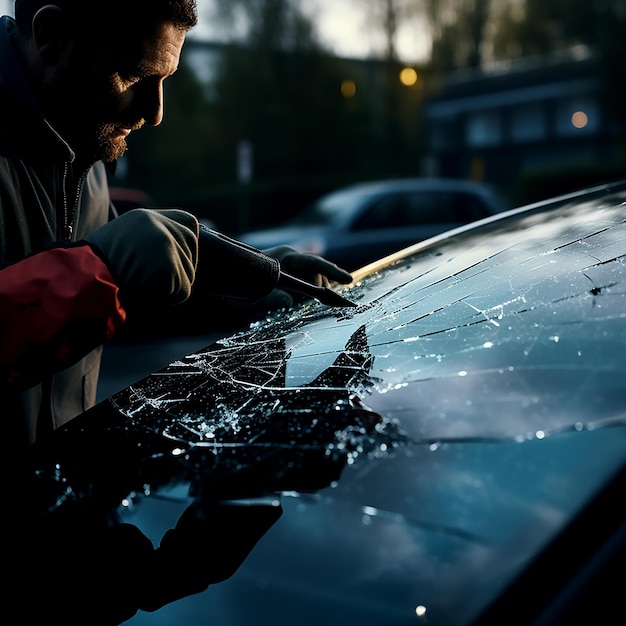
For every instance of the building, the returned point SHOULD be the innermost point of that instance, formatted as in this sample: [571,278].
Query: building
[514,120]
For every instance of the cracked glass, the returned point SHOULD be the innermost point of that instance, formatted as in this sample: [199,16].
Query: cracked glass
[426,443]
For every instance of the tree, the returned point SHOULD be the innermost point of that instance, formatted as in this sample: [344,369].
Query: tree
[386,17]
[281,90]
[277,88]
[458,31]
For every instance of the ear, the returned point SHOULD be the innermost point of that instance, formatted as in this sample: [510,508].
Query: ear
[51,33]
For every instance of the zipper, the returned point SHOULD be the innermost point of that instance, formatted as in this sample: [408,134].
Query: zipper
[70,216]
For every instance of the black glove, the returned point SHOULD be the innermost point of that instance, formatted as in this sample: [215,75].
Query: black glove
[207,546]
[151,254]
[229,268]
[236,283]
[309,267]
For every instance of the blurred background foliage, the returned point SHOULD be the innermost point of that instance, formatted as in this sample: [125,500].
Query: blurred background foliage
[274,87]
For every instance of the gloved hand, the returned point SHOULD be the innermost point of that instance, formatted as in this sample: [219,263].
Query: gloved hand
[236,283]
[309,267]
[229,268]
[151,253]
[207,546]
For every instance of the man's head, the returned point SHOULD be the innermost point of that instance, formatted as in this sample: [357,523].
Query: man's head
[98,66]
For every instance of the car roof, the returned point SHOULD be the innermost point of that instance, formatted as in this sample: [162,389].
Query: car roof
[427,183]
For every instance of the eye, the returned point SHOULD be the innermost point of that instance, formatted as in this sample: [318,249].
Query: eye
[130,78]
[133,73]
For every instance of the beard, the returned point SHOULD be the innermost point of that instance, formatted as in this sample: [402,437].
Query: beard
[95,132]
[109,144]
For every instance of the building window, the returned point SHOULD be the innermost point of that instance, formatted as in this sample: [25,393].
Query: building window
[528,123]
[484,128]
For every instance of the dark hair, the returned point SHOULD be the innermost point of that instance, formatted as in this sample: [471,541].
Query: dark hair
[181,13]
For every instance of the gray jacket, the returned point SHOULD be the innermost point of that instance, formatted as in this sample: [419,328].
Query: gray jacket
[35,175]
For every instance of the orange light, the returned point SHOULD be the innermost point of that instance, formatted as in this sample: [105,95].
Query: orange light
[580,119]
[408,76]
[348,88]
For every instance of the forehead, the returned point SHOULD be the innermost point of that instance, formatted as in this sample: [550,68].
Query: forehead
[155,50]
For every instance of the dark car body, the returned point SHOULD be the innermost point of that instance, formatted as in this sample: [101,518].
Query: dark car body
[450,452]
[363,222]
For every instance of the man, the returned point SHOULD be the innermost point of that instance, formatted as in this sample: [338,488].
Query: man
[76,78]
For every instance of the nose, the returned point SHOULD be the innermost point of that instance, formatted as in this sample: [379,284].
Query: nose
[151,99]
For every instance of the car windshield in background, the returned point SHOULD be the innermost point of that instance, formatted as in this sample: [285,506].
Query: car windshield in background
[459,417]
[332,209]
[359,224]
[404,204]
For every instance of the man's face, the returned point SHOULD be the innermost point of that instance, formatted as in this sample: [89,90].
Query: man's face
[105,91]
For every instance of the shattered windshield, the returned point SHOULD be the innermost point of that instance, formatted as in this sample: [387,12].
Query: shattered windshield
[534,311]
[452,421]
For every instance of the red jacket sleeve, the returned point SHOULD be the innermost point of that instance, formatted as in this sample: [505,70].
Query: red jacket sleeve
[55,306]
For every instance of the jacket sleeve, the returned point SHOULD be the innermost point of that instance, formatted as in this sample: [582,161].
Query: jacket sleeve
[55,306]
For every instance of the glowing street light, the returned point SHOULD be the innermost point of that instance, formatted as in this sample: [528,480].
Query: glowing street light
[408,76]
[580,119]
[348,88]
